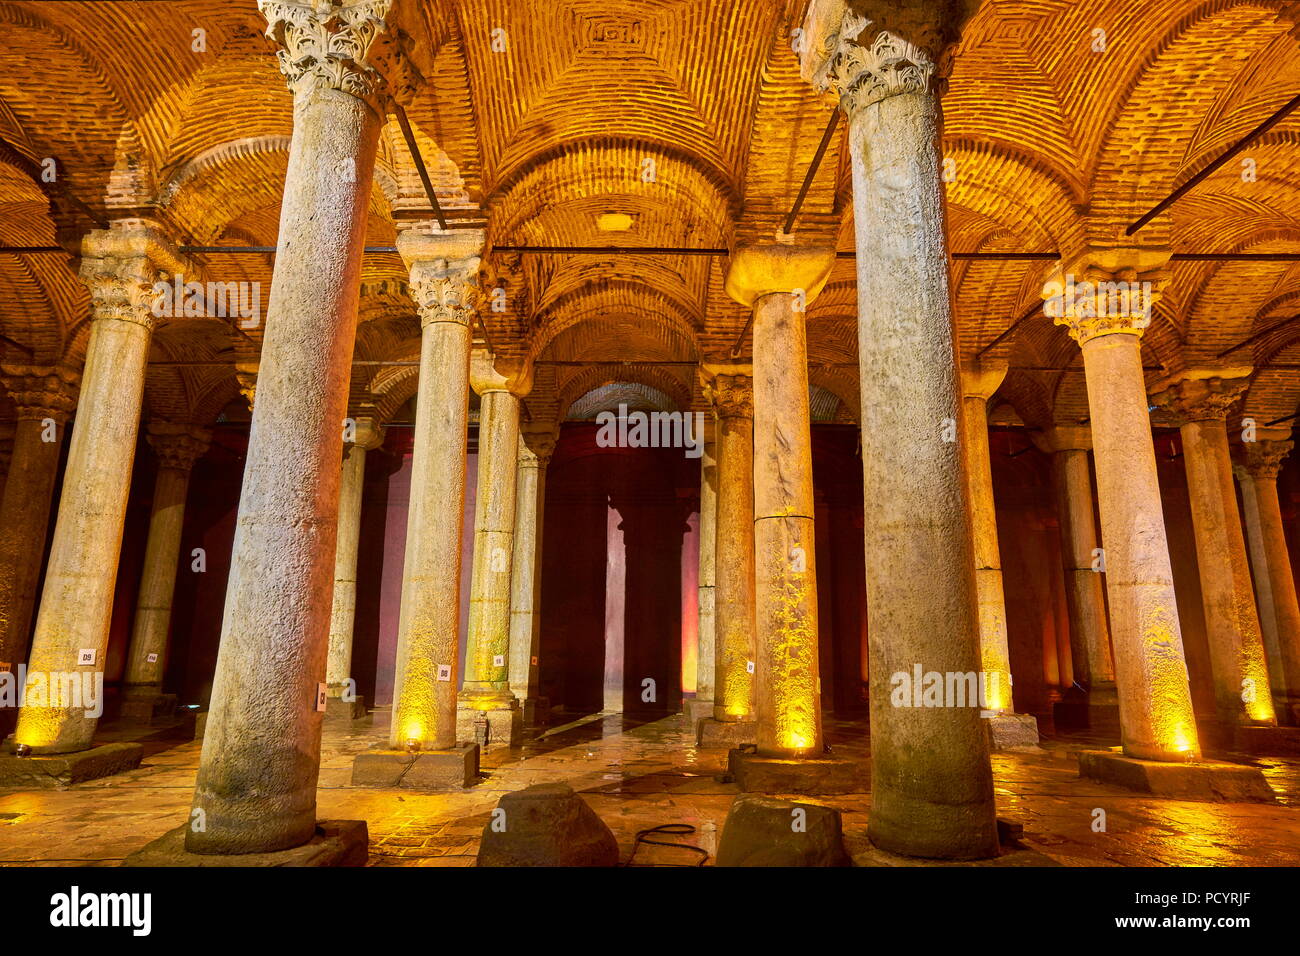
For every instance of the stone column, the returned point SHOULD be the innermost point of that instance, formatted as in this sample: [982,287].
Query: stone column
[256,785]
[177,447]
[486,691]
[932,786]
[778,282]
[119,265]
[1007,729]
[341,689]
[1155,703]
[1094,668]
[731,391]
[1279,611]
[444,283]
[535,449]
[43,397]
[706,617]
[1201,401]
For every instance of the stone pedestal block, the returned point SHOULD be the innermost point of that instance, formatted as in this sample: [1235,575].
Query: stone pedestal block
[754,773]
[452,769]
[696,710]
[336,843]
[1281,741]
[1010,731]
[61,770]
[546,825]
[729,734]
[148,710]
[505,724]
[761,831]
[336,708]
[1203,780]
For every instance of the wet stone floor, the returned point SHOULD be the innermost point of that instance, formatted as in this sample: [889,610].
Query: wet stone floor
[638,775]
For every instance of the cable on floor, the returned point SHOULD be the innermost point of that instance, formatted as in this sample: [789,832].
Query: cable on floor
[643,836]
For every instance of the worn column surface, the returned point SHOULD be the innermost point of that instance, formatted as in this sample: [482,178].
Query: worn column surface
[1094,668]
[733,675]
[177,447]
[1279,611]
[978,386]
[43,398]
[256,786]
[365,436]
[1238,663]
[932,786]
[706,615]
[444,271]
[486,689]
[535,449]
[1155,704]
[119,266]
[778,282]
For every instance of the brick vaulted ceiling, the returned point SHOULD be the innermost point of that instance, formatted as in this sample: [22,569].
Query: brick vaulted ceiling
[544,115]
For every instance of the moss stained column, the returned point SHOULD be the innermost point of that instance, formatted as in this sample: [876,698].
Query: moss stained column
[778,282]
[932,785]
[1270,562]
[365,435]
[535,448]
[44,397]
[1155,702]
[706,617]
[444,270]
[256,786]
[486,691]
[1201,402]
[177,447]
[119,265]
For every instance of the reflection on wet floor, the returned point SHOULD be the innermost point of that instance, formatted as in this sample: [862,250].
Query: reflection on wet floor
[638,773]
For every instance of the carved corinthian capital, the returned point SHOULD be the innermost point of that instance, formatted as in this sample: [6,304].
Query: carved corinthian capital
[444,271]
[324,44]
[177,446]
[1104,291]
[122,265]
[1202,396]
[41,392]
[866,51]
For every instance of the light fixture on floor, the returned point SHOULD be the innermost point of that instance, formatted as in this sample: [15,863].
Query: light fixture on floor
[23,750]
[412,745]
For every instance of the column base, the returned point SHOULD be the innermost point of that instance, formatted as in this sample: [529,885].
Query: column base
[1011,731]
[505,723]
[1206,780]
[537,711]
[336,843]
[1266,741]
[1288,711]
[1096,710]
[696,710]
[147,708]
[547,824]
[713,733]
[62,770]
[754,773]
[336,708]
[757,832]
[453,769]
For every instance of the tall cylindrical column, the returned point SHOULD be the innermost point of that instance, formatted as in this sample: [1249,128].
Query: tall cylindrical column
[177,448]
[44,397]
[706,616]
[486,691]
[932,785]
[1237,659]
[535,448]
[1094,668]
[444,277]
[364,436]
[119,265]
[733,676]
[1155,703]
[256,784]
[978,386]
[1279,611]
